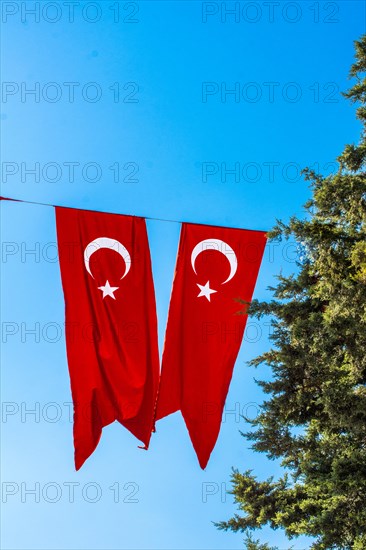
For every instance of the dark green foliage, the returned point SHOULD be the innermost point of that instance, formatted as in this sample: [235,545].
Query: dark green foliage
[314,420]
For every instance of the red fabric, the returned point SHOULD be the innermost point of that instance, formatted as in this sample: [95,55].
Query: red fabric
[112,345]
[203,336]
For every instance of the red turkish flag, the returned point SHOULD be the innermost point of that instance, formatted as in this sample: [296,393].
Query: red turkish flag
[215,267]
[111,325]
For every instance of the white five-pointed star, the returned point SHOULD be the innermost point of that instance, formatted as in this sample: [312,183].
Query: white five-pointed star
[206,291]
[108,290]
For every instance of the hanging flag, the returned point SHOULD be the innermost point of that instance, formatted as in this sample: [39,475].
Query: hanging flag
[111,325]
[216,266]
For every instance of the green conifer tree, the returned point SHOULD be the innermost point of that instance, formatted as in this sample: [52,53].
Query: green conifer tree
[314,419]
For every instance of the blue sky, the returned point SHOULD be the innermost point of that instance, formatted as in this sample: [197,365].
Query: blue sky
[147,128]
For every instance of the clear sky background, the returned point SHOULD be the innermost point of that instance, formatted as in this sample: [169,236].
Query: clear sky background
[143,127]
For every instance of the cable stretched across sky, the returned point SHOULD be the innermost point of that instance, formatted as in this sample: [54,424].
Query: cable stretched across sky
[122,214]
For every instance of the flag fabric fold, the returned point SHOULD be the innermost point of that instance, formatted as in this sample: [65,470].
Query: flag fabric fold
[215,268]
[111,324]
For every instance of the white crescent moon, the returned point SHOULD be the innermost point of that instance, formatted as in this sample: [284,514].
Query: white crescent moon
[220,246]
[112,244]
